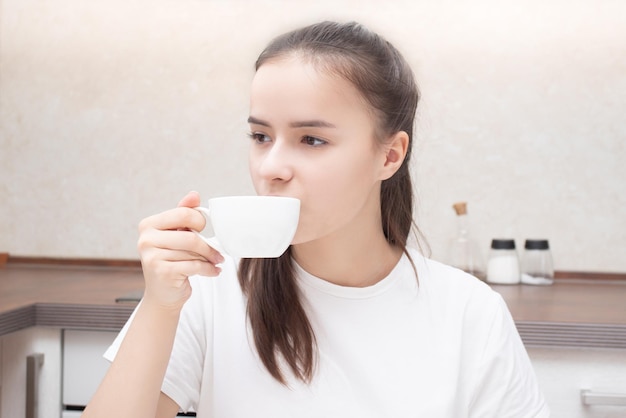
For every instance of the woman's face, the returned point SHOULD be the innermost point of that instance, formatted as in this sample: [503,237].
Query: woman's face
[313,138]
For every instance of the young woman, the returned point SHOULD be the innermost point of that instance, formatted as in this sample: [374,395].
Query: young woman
[349,322]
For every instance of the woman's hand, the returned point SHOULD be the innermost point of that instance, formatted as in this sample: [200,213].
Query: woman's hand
[171,252]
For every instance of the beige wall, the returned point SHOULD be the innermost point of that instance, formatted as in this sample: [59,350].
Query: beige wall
[112,110]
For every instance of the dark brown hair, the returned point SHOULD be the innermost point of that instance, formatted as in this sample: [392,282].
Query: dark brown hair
[282,332]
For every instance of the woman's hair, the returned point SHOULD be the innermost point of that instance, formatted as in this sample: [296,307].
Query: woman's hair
[282,332]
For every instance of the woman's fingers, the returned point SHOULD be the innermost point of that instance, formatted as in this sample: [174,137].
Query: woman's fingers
[171,252]
[174,265]
[178,218]
[191,200]
[187,244]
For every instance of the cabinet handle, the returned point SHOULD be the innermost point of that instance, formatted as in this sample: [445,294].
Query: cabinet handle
[602,398]
[33,365]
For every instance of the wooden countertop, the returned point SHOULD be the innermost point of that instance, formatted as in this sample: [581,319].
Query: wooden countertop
[569,313]
[574,313]
[567,301]
[65,296]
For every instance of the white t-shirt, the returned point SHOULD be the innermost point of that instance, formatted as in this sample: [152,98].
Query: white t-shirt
[446,347]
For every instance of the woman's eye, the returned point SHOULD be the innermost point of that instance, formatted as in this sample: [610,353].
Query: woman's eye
[312,141]
[259,138]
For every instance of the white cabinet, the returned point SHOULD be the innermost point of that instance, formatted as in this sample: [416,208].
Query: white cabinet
[77,366]
[16,347]
[72,369]
[564,372]
[1,341]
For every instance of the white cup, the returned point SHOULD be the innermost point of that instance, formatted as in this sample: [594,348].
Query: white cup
[253,226]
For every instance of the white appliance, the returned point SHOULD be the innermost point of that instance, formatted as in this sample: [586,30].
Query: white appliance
[83,367]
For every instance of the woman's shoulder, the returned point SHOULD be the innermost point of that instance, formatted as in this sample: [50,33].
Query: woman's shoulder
[439,280]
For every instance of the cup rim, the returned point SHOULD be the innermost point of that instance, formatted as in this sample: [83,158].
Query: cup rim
[255,197]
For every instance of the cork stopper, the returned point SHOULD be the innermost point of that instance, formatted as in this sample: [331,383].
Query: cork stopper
[460,208]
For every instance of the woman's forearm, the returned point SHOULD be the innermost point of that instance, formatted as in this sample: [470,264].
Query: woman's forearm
[132,386]
[170,253]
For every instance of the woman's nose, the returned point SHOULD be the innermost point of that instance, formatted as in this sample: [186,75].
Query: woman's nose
[276,163]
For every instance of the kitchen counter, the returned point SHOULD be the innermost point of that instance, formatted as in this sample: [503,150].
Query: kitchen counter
[570,313]
[65,296]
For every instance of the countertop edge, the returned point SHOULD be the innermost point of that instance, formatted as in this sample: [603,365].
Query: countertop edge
[65,315]
[113,318]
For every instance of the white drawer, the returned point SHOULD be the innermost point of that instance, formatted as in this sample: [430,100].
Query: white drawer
[564,372]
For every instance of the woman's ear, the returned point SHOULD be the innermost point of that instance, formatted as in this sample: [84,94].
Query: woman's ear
[395,152]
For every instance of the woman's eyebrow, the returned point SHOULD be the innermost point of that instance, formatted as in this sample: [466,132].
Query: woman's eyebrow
[311,124]
[315,123]
[255,121]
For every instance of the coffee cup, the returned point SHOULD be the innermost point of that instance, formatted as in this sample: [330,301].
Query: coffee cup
[252,226]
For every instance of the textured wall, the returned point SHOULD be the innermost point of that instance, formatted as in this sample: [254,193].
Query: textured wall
[112,110]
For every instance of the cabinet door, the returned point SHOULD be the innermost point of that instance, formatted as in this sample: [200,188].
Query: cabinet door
[15,348]
[1,361]
[564,373]
[83,364]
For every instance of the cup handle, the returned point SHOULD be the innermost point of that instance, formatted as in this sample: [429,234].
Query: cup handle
[207,216]
[212,241]
[205,211]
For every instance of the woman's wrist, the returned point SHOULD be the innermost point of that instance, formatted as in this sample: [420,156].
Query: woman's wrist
[154,307]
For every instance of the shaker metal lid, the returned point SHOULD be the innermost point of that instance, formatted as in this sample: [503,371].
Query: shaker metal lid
[503,244]
[537,244]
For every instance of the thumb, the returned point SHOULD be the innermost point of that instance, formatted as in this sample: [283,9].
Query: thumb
[191,200]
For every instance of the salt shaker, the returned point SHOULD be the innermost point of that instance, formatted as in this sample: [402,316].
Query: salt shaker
[503,265]
[537,263]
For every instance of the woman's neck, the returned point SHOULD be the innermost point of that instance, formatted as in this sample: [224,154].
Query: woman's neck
[355,256]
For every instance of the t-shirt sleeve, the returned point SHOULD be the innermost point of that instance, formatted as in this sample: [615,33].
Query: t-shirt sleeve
[183,377]
[506,385]
[111,352]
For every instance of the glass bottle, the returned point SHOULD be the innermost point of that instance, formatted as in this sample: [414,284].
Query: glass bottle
[464,252]
[537,263]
